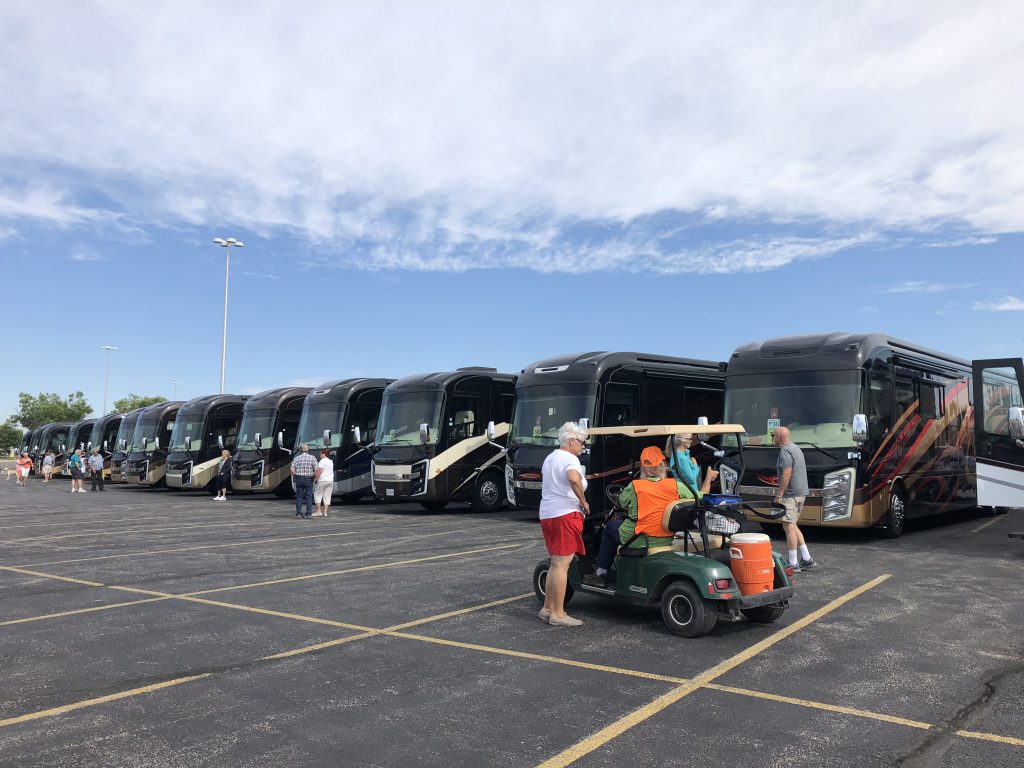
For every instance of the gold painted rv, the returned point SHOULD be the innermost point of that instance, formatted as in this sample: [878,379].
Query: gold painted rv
[203,428]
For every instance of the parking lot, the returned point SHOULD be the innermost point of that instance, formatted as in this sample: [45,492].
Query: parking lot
[145,627]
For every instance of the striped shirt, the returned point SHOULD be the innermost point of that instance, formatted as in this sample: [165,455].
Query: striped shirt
[303,465]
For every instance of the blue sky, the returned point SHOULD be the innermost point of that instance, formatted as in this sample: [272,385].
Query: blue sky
[425,186]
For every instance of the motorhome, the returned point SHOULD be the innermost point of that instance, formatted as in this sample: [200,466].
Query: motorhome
[432,445]
[30,444]
[147,462]
[270,421]
[78,439]
[342,415]
[104,437]
[52,437]
[203,428]
[889,430]
[608,389]
[123,445]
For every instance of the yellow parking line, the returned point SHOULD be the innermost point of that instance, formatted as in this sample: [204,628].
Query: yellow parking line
[607,734]
[79,522]
[40,574]
[124,531]
[78,611]
[991,737]
[986,524]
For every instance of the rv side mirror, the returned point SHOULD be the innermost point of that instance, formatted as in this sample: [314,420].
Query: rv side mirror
[327,436]
[280,439]
[860,428]
[702,421]
[104,445]
[490,430]
[1015,422]
[584,423]
[357,436]
[424,433]
[188,443]
[63,448]
[156,443]
[258,438]
[220,442]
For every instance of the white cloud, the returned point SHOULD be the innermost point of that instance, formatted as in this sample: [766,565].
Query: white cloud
[919,286]
[430,132]
[83,253]
[959,243]
[1005,304]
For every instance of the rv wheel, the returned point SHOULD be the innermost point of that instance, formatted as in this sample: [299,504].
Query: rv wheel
[488,494]
[540,582]
[896,517]
[434,506]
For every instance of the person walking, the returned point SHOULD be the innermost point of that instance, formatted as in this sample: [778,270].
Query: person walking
[303,469]
[96,469]
[323,484]
[48,467]
[24,469]
[223,476]
[77,468]
[563,505]
[791,471]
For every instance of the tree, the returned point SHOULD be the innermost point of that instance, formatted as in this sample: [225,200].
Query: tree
[10,436]
[49,407]
[133,401]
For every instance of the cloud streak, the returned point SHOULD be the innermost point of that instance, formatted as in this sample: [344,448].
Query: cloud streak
[1005,304]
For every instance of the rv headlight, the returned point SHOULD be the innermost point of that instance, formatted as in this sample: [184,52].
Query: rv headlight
[510,491]
[728,477]
[837,495]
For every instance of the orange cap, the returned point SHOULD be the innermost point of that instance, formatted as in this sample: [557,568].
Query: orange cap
[651,456]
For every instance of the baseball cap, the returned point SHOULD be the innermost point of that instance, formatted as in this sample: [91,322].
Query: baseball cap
[651,456]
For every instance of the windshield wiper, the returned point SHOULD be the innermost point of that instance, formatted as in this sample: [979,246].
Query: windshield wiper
[815,445]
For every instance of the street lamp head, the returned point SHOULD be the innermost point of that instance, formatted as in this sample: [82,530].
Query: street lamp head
[220,241]
[108,347]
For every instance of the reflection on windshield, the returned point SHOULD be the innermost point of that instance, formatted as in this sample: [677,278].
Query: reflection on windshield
[126,433]
[190,426]
[260,421]
[818,407]
[317,417]
[541,411]
[402,413]
[145,433]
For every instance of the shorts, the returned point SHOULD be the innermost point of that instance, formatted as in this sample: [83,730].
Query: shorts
[563,535]
[76,473]
[322,492]
[794,506]
[22,472]
[48,469]
[222,482]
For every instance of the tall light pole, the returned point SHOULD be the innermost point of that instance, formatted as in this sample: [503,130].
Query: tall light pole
[226,245]
[175,395]
[106,376]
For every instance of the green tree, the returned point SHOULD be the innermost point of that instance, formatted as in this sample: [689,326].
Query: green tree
[10,436]
[48,407]
[133,401]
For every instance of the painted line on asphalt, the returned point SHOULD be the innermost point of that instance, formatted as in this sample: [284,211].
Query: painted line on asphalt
[600,738]
[79,611]
[113,519]
[991,737]
[124,531]
[986,524]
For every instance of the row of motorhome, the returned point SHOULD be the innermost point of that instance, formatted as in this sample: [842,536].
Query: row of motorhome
[890,430]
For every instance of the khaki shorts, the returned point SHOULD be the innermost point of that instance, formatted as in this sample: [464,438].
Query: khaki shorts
[794,506]
[322,492]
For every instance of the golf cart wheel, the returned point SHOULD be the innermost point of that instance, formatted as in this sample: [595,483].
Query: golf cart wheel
[489,493]
[685,612]
[764,614]
[434,506]
[896,516]
[540,582]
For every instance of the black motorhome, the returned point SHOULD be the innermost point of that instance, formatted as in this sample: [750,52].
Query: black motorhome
[342,415]
[78,439]
[52,437]
[432,444]
[147,462]
[889,430]
[203,428]
[30,443]
[123,446]
[270,421]
[104,437]
[608,389]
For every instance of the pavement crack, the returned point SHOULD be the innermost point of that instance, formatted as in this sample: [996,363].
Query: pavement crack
[932,749]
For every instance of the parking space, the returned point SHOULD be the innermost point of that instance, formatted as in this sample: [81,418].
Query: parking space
[156,628]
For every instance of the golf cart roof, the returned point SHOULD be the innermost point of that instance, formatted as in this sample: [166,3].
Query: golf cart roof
[668,429]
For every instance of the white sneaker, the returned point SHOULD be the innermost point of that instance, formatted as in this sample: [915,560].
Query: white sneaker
[82,490]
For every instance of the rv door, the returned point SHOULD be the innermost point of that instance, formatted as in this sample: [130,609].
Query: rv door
[999,432]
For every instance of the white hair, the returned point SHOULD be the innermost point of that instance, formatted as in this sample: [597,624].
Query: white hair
[677,441]
[569,431]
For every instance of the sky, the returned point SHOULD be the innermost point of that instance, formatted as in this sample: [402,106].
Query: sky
[424,186]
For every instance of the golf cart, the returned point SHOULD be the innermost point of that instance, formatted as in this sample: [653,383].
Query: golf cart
[693,581]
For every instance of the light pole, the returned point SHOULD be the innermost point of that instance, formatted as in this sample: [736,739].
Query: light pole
[226,245]
[106,376]
[175,395]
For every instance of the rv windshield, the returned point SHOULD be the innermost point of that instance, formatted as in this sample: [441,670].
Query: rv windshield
[96,436]
[817,406]
[145,433]
[540,411]
[126,432]
[188,425]
[402,413]
[316,417]
[257,420]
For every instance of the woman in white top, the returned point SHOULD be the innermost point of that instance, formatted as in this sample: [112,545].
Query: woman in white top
[323,484]
[563,505]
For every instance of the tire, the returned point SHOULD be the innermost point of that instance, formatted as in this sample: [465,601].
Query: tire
[434,506]
[351,498]
[685,612]
[896,515]
[489,494]
[284,490]
[540,577]
[764,614]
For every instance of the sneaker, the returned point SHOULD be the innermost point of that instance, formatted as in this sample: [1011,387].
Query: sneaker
[82,490]
[808,563]
[795,567]
[565,621]
[595,580]
[543,614]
